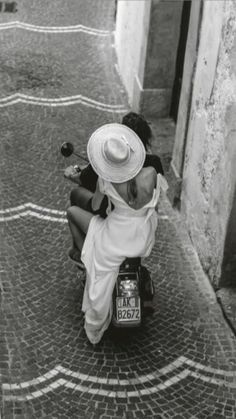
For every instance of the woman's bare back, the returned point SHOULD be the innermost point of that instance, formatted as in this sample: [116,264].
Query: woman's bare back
[138,191]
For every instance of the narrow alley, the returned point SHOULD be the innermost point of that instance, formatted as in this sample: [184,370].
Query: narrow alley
[59,82]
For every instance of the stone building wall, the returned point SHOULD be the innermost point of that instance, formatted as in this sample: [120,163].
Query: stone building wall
[209,169]
[131,34]
[146,39]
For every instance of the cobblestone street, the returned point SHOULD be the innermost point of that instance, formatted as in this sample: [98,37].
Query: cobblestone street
[59,81]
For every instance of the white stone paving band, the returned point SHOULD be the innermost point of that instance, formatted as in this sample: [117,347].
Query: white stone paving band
[63,101]
[86,380]
[54,29]
[42,213]
[32,206]
[33,214]
[32,210]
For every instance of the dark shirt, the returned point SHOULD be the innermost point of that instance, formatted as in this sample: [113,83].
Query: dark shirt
[89,178]
[155,162]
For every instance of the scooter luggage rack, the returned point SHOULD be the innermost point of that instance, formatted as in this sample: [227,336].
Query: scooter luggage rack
[127,310]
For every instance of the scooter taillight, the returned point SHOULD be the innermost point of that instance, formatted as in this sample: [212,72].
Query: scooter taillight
[128,287]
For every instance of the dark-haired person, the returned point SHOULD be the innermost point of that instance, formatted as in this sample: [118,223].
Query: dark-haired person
[87,179]
[141,127]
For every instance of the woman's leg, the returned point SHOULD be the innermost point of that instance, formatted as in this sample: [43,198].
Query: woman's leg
[78,220]
[80,196]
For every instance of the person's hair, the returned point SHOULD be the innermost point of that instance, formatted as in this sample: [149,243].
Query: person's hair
[140,126]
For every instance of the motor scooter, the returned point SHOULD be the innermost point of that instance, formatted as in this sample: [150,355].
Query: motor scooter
[134,289]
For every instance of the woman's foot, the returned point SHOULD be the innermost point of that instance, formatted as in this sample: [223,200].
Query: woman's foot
[81,276]
[75,256]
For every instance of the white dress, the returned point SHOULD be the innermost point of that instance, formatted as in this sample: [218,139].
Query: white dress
[125,232]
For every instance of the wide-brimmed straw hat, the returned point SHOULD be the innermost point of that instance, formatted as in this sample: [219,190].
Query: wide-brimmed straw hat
[116,153]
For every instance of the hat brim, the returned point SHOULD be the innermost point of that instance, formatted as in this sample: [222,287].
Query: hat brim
[111,171]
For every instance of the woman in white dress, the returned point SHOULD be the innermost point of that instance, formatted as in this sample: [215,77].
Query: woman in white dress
[117,155]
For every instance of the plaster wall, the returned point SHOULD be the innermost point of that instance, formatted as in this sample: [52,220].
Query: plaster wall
[209,169]
[186,91]
[146,40]
[132,26]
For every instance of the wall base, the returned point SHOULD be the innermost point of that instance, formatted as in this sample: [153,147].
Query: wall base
[175,187]
[154,102]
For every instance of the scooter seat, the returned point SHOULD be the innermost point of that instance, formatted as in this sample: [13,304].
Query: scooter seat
[130,263]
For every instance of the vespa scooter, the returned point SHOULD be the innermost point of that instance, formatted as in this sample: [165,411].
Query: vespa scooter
[134,286]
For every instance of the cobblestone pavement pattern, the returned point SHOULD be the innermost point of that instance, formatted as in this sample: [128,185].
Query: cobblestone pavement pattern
[60,84]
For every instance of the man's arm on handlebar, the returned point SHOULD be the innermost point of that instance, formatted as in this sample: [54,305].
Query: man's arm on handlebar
[83,176]
[72,173]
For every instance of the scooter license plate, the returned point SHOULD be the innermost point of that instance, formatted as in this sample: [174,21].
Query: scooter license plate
[128,309]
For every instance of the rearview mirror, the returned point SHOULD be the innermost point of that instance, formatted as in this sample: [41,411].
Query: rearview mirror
[67,149]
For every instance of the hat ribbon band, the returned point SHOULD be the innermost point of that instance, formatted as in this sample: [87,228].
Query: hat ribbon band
[126,142]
